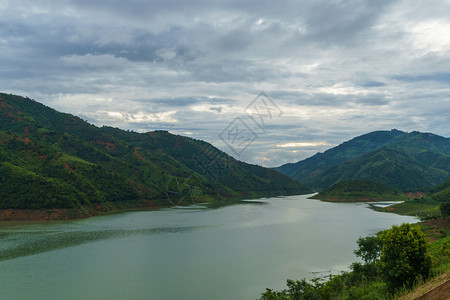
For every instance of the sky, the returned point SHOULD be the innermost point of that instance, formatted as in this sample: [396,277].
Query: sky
[269,82]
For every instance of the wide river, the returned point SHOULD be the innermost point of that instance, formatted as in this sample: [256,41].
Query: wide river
[233,252]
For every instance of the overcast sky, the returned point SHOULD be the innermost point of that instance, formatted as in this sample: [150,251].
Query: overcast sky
[331,70]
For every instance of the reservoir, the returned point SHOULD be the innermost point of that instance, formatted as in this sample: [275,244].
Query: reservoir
[232,252]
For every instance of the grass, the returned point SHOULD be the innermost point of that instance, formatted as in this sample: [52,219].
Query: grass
[419,208]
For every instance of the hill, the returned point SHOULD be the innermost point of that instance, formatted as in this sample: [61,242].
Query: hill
[441,193]
[358,190]
[408,161]
[339,154]
[50,159]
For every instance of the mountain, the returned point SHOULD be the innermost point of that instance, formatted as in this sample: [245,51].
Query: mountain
[50,159]
[337,155]
[408,161]
[358,190]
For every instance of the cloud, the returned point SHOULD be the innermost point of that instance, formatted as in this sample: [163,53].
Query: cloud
[302,144]
[336,69]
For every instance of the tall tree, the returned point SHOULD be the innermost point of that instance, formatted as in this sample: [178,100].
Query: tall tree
[404,257]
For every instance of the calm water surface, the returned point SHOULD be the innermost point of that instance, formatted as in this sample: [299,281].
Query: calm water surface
[233,252]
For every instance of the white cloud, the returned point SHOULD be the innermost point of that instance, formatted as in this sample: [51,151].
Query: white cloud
[162,117]
[302,144]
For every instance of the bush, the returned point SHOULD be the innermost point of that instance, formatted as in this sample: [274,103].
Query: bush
[404,258]
[445,209]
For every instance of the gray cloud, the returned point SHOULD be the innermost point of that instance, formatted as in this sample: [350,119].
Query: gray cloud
[335,68]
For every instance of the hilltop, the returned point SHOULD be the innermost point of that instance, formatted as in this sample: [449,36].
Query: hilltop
[50,159]
[410,162]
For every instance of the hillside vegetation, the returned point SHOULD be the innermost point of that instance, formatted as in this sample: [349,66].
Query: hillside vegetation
[410,162]
[359,190]
[50,159]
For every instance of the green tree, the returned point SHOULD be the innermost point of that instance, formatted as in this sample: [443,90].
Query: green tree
[445,209]
[404,257]
[369,248]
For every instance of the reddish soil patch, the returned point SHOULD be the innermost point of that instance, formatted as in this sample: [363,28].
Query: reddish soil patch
[149,204]
[108,145]
[439,223]
[11,115]
[25,140]
[4,105]
[361,199]
[177,143]
[415,195]
[39,214]
[138,155]
[68,168]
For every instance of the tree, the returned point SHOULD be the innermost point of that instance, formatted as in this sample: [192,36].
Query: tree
[404,257]
[369,248]
[445,209]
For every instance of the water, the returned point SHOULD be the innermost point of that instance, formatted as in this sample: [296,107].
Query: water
[233,252]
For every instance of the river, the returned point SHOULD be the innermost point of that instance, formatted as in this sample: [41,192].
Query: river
[232,252]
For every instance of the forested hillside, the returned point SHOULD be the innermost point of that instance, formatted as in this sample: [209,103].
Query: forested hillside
[407,161]
[50,159]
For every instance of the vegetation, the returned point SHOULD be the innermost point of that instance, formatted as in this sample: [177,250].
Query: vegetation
[431,206]
[409,162]
[50,159]
[359,190]
[403,257]
[393,262]
[441,193]
[445,209]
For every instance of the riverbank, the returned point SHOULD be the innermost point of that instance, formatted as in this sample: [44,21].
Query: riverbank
[61,214]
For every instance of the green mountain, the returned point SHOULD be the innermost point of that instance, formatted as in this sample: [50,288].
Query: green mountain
[408,161]
[358,190]
[50,159]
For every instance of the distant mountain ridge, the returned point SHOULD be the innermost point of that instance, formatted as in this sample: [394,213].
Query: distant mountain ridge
[407,161]
[50,159]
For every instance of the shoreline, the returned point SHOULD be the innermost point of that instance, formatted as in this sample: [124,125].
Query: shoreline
[12,216]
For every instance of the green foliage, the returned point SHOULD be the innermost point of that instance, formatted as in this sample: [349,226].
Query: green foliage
[404,258]
[408,161]
[441,193]
[340,154]
[369,248]
[296,290]
[445,209]
[425,208]
[353,190]
[440,254]
[58,160]
[24,189]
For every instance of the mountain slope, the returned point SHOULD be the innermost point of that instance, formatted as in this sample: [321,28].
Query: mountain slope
[407,161]
[51,159]
[339,154]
